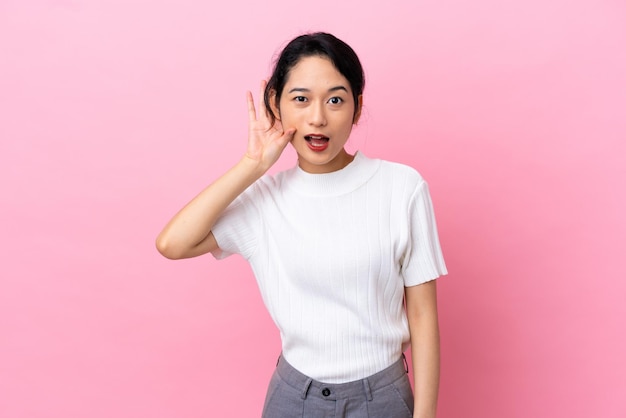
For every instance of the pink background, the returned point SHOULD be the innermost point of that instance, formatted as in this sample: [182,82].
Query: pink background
[114,113]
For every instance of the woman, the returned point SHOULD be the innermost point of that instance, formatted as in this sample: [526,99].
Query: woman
[344,248]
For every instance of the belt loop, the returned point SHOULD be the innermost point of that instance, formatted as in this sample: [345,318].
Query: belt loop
[307,385]
[406,364]
[367,389]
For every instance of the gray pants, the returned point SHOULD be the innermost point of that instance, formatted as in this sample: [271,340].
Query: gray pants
[386,394]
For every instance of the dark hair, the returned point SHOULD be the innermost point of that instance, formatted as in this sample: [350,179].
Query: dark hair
[321,44]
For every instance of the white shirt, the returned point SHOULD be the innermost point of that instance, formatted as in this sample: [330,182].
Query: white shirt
[332,254]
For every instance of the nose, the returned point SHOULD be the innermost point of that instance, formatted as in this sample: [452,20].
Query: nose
[317,115]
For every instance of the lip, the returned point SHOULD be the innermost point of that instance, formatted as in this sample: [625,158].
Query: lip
[316,148]
[317,142]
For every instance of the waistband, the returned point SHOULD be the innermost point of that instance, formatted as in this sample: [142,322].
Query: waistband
[328,391]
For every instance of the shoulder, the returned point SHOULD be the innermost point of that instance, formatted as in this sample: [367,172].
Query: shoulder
[402,173]
[268,185]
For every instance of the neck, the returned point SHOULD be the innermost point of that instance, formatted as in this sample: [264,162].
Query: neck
[340,161]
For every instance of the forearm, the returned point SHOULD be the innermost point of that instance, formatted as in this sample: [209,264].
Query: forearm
[424,329]
[188,234]
[191,226]
[425,356]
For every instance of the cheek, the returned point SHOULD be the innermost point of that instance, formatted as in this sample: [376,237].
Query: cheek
[288,116]
[347,121]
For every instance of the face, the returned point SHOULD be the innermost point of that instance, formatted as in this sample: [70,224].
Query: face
[317,101]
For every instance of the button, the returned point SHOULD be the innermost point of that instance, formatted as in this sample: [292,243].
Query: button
[326,392]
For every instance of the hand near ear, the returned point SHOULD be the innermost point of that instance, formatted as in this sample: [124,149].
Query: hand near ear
[266,141]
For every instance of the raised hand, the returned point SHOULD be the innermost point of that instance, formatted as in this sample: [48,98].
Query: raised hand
[266,142]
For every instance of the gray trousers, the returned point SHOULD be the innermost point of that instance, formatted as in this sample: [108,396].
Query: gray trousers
[386,394]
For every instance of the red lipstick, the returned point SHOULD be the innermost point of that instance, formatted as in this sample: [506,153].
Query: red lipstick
[317,142]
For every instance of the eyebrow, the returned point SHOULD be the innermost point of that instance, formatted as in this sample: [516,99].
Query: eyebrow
[305,90]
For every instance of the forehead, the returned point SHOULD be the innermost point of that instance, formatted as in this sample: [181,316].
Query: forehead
[316,72]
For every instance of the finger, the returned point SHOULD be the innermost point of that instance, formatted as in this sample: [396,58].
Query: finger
[290,133]
[251,109]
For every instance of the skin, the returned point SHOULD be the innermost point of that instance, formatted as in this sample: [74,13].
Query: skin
[421,306]
[317,99]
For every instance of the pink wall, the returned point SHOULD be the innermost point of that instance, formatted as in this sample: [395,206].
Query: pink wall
[114,113]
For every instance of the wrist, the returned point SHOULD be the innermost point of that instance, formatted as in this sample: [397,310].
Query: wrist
[253,168]
[420,413]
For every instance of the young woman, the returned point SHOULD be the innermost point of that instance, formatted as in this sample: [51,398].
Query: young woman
[344,247]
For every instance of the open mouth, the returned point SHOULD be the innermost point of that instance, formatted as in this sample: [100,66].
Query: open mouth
[317,142]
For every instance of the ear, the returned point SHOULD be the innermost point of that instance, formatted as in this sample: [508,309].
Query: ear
[359,107]
[274,104]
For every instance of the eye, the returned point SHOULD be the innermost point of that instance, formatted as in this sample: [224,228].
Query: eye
[335,100]
[299,99]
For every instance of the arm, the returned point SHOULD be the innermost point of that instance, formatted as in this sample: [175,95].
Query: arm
[188,233]
[421,306]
